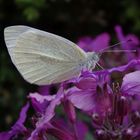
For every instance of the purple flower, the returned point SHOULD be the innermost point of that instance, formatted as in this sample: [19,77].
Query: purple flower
[85,89]
[121,122]
[131,87]
[132,44]
[131,83]
[47,115]
[90,99]
[87,80]
[132,65]
[94,44]
[18,127]
[45,124]
[40,102]
[82,130]
[108,107]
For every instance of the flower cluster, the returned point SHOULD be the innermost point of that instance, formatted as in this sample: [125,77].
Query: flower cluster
[100,105]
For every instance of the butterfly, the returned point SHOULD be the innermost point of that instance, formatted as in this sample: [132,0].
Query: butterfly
[44,58]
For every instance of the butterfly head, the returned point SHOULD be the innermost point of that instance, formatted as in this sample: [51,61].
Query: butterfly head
[93,56]
[92,59]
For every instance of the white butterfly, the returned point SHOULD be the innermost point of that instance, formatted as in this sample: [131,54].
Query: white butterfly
[43,58]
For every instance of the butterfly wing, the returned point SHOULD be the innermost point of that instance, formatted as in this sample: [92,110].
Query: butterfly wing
[41,57]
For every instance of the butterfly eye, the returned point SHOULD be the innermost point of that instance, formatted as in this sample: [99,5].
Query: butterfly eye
[95,57]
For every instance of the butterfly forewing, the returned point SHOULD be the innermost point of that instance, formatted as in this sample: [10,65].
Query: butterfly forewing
[41,57]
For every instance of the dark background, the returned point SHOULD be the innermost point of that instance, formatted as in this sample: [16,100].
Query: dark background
[69,18]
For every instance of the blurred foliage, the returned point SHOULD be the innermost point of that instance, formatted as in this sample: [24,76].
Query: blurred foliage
[69,18]
[132,13]
[31,9]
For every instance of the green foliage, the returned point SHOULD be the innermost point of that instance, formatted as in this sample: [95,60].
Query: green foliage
[31,14]
[31,9]
[132,13]
[34,3]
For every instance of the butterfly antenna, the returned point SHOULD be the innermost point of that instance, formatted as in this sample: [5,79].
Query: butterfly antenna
[132,51]
[119,43]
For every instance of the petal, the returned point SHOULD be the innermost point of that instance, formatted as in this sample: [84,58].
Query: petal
[119,33]
[85,43]
[18,127]
[82,99]
[41,98]
[40,102]
[42,123]
[131,83]
[132,64]
[133,44]
[87,80]
[82,130]
[6,135]
[90,44]
[100,42]
[69,110]
[134,41]
[86,83]
[50,111]
[23,114]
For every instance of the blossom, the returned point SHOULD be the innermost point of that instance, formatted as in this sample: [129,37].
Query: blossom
[48,126]
[122,122]
[109,106]
[47,114]
[131,87]
[86,85]
[94,44]
[131,83]
[132,45]
[40,102]
[18,127]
